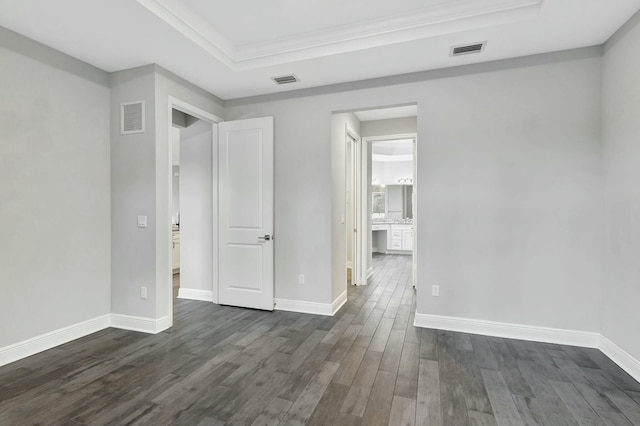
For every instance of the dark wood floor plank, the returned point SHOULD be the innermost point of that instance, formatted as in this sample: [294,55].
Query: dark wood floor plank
[504,408]
[403,411]
[379,406]
[577,405]
[452,398]
[393,351]
[428,409]
[303,407]
[628,406]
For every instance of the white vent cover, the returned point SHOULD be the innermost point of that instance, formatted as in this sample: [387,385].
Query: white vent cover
[468,49]
[132,117]
[285,79]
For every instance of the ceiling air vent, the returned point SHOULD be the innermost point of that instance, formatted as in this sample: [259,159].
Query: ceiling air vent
[468,49]
[285,79]
[132,117]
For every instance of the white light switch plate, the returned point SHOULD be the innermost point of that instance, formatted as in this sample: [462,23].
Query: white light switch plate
[142,221]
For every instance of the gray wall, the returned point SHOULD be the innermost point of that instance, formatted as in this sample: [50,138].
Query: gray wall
[133,194]
[509,196]
[54,190]
[196,207]
[392,126]
[621,153]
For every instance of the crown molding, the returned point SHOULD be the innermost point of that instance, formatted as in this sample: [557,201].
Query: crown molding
[444,18]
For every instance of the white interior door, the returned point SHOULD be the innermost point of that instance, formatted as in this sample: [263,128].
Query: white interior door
[246,213]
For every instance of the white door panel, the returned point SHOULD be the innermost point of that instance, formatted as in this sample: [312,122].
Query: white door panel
[246,213]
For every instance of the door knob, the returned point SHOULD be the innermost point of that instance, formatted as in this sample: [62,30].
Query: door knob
[265,238]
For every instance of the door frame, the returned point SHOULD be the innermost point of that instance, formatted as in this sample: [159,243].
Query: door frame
[358,267]
[368,141]
[186,107]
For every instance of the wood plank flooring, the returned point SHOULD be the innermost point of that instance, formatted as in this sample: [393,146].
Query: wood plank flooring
[367,365]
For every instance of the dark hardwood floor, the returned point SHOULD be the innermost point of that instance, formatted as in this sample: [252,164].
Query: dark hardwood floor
[367,365]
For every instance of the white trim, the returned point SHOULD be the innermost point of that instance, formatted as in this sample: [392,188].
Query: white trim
[621,357]
[511,331]
[339,303]
[187,108]
[144,325]
[192,294]
[349,264]
[52,339]
[303,307]
[412,25]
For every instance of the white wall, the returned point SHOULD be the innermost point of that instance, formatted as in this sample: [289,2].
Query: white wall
[196,207]
[509,191]
[389,172]
[621,152]
[392,126]
[54,192]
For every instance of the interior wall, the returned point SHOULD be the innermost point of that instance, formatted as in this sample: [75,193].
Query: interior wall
[54,193]
[196,209]
[621,155]
[392,126]
[509,196]
[132,195]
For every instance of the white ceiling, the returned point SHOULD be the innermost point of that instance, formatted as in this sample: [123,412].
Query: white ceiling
[398,148]
[233,48]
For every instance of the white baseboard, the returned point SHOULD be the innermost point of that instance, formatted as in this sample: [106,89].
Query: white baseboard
[192,294]
[338,303]
[52,339]
[314,308]
[510,331]
[144,325]
[621,357]
[304,307]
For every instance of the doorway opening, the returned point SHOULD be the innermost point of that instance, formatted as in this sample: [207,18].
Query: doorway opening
[192,204]
[379,218]
[393,202]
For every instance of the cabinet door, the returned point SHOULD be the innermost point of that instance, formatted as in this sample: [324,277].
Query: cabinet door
[407,239]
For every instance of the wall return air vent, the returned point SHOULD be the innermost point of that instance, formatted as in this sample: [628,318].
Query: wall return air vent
[132,117]
[285,79]
[468,49]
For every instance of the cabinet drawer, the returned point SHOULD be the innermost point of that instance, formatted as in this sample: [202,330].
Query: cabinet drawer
[396,234]
[396,245]
[379,227]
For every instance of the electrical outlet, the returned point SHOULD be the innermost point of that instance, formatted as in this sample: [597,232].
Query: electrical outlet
[301,279]
[143,292]
[435,291]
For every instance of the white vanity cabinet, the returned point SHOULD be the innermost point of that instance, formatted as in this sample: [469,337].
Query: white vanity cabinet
[400,237]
